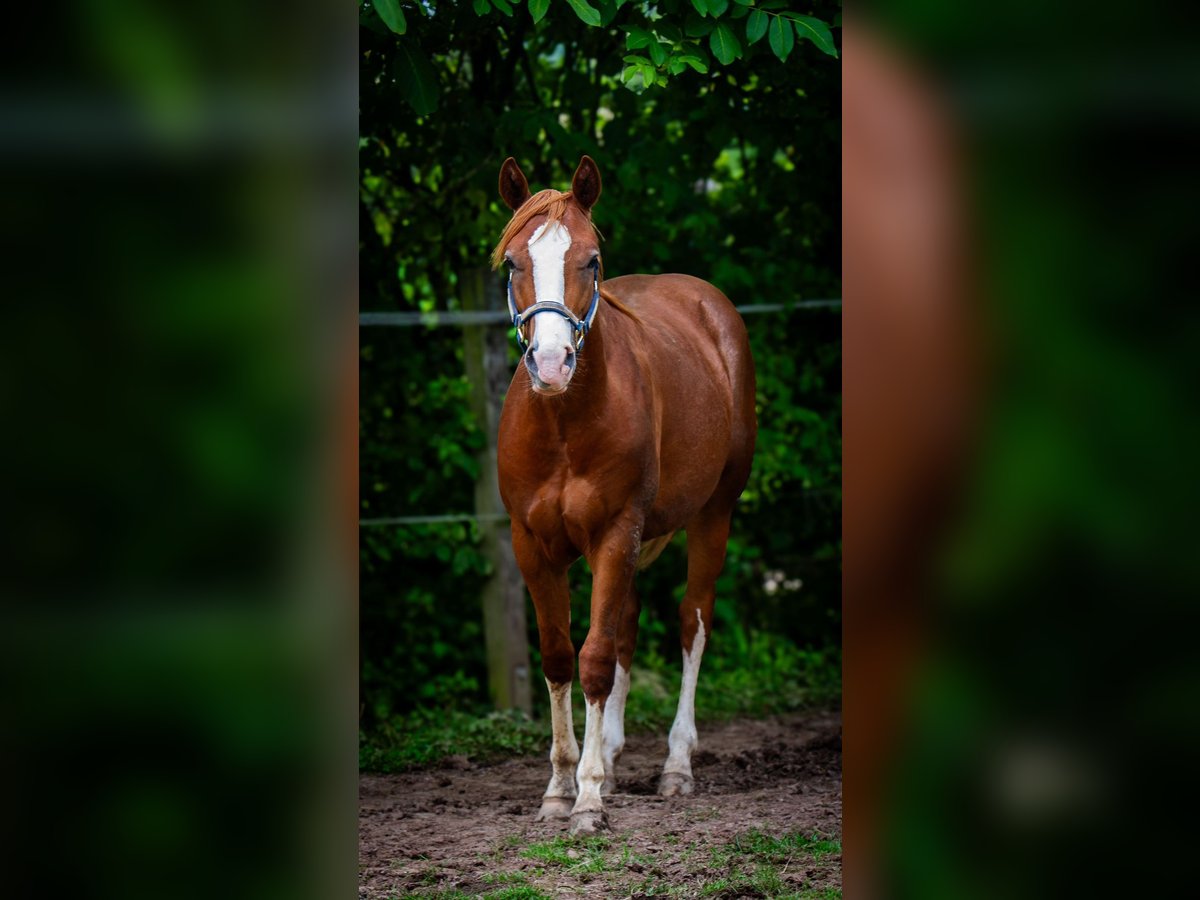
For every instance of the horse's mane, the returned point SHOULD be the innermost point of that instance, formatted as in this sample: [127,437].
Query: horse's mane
[553,205]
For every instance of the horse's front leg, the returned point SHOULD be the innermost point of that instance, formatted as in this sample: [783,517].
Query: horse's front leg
[613,563]
[547,585]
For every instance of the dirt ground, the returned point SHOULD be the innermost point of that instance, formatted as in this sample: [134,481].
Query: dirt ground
[469,830]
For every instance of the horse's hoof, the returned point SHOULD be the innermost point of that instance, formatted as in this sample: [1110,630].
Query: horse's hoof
[591,822]
[554,809]
[610,785]
[673,784]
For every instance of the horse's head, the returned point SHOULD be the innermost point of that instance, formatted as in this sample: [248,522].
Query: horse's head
[553,257]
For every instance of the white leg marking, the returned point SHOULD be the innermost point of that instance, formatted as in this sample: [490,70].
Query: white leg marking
[564,750]
[614,727]
[591,762]
[551,334]
[683,733]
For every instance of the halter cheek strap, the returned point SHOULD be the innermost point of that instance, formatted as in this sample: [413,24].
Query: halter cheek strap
[579,327]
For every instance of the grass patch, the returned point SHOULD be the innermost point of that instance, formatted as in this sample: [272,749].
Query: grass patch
[627,858]
[507,877]
[510,842]
[576,854]
[425,737]
[753,861]
[522,892]
[778,848]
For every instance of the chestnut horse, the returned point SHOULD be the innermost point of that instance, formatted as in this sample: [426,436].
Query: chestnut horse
[630,417]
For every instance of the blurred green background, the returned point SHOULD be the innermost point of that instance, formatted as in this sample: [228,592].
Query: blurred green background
[177,633]
[720,159]
[1050,722]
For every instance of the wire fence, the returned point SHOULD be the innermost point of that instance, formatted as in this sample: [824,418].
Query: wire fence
[457,317]
[442,317]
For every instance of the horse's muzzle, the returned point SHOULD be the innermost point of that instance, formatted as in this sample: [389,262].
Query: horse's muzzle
[550,376]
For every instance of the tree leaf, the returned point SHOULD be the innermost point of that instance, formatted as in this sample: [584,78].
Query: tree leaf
[676,65]
[671,34]
[724,44]
[481,7]
[608,12]
[744,2]
[781,37]
[697,27]
[717,7]
[417,78]
[701,6]
[586,12]
[694,61]
[658,53]
[537,9]
[815,30]
[756,26]
[504,6]
[392,14]
[637,38]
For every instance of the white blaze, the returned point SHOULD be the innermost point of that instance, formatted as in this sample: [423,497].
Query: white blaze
[551,333]
[683,733]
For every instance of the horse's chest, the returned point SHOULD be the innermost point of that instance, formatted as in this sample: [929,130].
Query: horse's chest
[583,510]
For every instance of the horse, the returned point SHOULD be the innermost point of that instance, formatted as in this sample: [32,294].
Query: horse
[631,416]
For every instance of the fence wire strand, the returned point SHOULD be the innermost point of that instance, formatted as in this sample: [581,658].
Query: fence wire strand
[438,318]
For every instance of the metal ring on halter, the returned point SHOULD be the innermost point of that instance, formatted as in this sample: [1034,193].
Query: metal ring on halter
[579,327]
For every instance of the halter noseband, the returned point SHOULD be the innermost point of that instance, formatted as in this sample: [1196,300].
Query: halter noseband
[579,327]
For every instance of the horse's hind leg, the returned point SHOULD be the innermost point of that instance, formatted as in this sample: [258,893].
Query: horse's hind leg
[614,709]
[706,538]
[551,601]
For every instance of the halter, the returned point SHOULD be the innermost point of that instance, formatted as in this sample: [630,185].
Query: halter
[579,327]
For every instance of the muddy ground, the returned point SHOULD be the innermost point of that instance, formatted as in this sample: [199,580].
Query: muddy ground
[469,830]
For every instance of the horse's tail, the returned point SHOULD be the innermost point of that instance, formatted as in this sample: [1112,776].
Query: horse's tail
[651,549]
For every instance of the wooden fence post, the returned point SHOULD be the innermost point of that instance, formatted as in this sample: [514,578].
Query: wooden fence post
[485,353]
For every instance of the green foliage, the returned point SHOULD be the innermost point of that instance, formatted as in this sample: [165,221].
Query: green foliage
[425,737]
[763,675]
[392,14]
[719,160]
[586,12]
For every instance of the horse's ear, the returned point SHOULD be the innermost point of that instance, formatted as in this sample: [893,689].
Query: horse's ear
[585,185]
[514,189]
